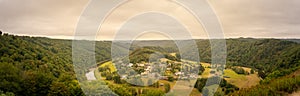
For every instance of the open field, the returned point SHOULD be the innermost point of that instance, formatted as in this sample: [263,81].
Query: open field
[241,81]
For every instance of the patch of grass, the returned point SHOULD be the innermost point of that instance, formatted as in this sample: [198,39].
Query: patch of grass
[205,65]
[206,73]
[230,73]
[173,54]
[109,64]
[195,92]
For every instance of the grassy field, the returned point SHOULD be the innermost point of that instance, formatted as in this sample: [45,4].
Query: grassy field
[241,81]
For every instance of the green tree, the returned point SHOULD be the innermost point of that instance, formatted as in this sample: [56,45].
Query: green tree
[200,84]
[156,84]
[117,79]
[167,87]
[170,78]
[252,71]
[154,93]
[59,89]
[109,77]
[37,83]
[9,78]
[6,93]
[262,74]
[239,70]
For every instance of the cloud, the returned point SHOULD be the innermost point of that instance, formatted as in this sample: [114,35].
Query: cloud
[274,18]
[40,17]
[239,18]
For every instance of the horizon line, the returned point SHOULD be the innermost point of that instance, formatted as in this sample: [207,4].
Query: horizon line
[73,38]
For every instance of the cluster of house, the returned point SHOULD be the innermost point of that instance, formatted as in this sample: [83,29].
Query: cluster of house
[148,71]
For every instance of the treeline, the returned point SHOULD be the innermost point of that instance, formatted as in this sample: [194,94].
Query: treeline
[224,87]
[144,54]
[125,90]
[240,70]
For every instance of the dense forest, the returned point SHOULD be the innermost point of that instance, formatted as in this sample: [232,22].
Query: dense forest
[40,66]
[35,66]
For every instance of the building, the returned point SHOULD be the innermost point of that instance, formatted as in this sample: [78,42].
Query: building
[179,73]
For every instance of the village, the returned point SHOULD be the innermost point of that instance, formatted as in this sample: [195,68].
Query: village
[163,69]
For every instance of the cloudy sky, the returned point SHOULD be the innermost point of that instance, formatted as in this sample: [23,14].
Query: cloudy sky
[239,18]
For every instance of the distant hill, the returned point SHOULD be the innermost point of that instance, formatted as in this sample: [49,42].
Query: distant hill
[294,40]
[161,43]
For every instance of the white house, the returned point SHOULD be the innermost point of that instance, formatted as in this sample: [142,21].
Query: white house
[179,73]
[130,65]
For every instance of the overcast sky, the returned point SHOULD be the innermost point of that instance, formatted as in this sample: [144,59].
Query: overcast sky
[239,18]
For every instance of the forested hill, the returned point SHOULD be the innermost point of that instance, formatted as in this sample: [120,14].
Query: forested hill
[263,54]
[34,66]
[38,66]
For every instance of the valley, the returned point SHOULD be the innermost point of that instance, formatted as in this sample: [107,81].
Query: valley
[239,80]
[42,66]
